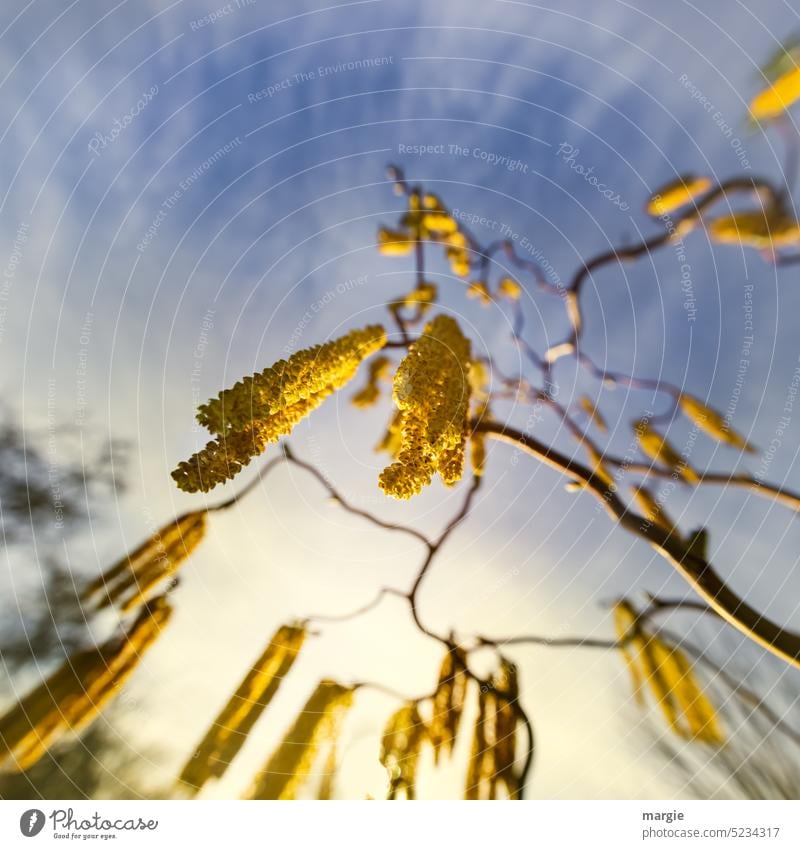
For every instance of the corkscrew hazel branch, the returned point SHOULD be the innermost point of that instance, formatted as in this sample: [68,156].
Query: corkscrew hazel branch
[698,573]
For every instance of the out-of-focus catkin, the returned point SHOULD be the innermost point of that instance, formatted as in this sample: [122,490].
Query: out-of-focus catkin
[666,671]
[133,578]
[290,764]
[448,702]
[658,448]
[713,423]
[72,696]
[481,769]
[401,746]
[370,393]
[228,732]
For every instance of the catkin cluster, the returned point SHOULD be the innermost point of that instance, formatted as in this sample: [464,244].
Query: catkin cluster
[266,406]
[432,392]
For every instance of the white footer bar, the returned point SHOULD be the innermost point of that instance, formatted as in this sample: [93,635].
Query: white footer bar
[398,825]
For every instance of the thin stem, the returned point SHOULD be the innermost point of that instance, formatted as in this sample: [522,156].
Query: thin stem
[359,611]
[259,479]
[768,490]
[528,763]
[433,548]
[356,511]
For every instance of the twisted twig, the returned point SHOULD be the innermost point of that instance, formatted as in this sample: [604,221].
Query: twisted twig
[698,573]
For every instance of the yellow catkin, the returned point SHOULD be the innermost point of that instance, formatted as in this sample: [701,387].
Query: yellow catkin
[667,673]
[652,510]
[421,297]
[778,97]
[223,458]
[595,416]
[656,446]
[432,391]
[229,731]
[713,423]
[370,393]
[72,696]
[505,754]
[427,219]
[266,406]
[314,371]
[392,440]
[625,625]
[394,242]
[325,791]
[509,288]
[677,194]
[448,702]
[401,745]
[477,452]
[479,380]
[133,578]
[478,289]
[757,229]
[291,763]
[456,251]
[702,722]
[438,223]
[674,687]
[598,467]
[482,770]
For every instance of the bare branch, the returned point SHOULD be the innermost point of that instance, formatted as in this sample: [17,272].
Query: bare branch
[698,573]
[356,511]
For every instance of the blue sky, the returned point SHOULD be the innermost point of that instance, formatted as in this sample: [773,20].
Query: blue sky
[289,195]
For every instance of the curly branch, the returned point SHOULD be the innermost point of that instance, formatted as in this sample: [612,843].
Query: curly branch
[698,573]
